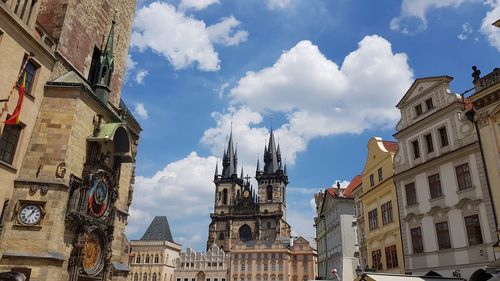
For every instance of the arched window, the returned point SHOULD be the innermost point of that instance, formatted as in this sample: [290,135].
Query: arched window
[224,196]
[138,259]
[147,259]
[269,193]
[136,277]
[157,259]
[154,277]
[144,277]
[245,233]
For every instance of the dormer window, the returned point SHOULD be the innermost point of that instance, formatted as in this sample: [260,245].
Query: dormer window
[428,104]
[418,110]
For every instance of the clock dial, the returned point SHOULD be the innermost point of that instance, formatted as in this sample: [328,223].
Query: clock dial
[98,201]
[246,193]
[92,255]
[30,214]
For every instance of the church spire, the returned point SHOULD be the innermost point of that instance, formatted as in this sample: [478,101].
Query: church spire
[271,159]
[106,67]
[216,174]
[229,162]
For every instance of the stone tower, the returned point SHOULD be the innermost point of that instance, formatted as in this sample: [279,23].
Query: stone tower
[68,185]
[241,213]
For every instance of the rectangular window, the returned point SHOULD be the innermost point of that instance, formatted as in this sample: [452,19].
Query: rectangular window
[178,279]
[418,110]
[242,267]
[463,176]
[215,279]
[380,175]
[416,240]
[443,135]
[473,230]
[416,149]
[387,213]
[428,143]
[377,260]
[428,104]
[280,266]
[373,219]
[435,186]
[265,266]
[258,266]
[411,194]
[273,266]
[30,70]
[391,257]
[443,235]
[372,180]
[8,142]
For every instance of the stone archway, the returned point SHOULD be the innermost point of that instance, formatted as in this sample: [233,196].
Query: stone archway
[200,276]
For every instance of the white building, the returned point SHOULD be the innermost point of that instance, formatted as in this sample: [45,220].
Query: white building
[210,266]
[336,232]
[447,223]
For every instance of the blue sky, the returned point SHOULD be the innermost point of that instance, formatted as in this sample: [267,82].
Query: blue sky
[326,73]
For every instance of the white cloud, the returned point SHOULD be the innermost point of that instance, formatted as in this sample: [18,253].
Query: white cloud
[491,32]
[129,66]
[466,31]
[413,13]
[196,4]
[223,32]
[182,39]
[222,89]
[187,182]
[141,111]
[140,75]
[278,4]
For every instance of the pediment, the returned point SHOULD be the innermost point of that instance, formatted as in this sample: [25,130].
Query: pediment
[421,86]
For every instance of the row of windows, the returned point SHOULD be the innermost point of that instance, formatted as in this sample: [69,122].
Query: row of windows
[429,145]
[265,267]
[152,277]
[192,264]
[472,227]
[380,177]
[387,216]
[208,279]
[464,181]
[428,106]
[266,256]
[147,259]
[391,258]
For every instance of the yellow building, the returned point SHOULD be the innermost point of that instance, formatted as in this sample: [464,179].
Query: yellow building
[486,117]
[379,199]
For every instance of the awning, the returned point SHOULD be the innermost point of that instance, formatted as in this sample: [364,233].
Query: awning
[393,277]
[107,132]
[116,133]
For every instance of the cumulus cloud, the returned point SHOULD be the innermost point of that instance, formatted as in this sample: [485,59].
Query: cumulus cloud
[187,182]
[196,4]
[182,39]
[140,75]
[129,66]
[278,4]
[413,13]
[140,111]
[492,33]
[223,32]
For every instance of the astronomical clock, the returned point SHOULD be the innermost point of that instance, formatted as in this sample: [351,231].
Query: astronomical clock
[91,211]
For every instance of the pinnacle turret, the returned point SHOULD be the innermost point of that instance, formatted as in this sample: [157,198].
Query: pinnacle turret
[230,160]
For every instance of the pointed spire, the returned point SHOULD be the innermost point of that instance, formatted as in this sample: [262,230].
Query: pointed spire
[216,174]
[229,161]
[271,156]
[241,176]
[284,170]
[102,77]
[258,166]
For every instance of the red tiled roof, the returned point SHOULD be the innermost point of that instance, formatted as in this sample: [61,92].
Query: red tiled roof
[347,192]
[391,146]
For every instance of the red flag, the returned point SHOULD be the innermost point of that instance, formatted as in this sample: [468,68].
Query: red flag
[14,118]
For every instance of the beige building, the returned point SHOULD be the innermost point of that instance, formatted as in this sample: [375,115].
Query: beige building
[447,219]
[380,207]
[278,260]
[486,117]
[360,224]
[212,265]
[153,257]
[67,167]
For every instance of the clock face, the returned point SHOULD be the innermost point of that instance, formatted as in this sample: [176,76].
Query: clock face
[30,214]
[98,201]
[92,255]
[246,193]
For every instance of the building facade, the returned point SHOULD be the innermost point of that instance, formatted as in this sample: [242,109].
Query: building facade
[67,166]
[210,266]
[360,224]
[278,260]
[383,238]
[153,257]
[486,118]
[337,240]
[447,219]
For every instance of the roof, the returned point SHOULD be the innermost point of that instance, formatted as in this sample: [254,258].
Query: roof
[391,146]
[347,192]
[418,80]
[158,230]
